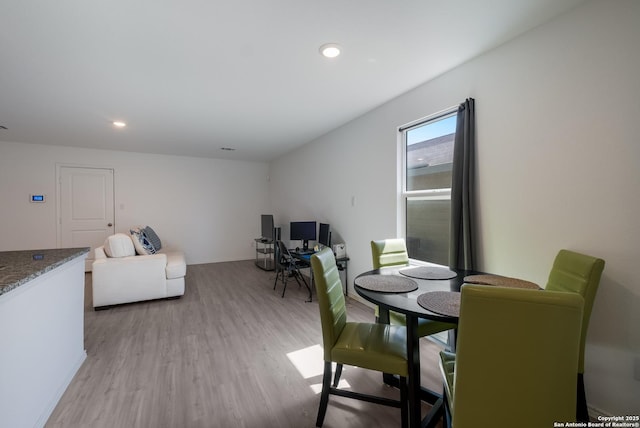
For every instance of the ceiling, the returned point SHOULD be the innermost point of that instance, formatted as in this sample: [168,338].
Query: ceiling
[192,77]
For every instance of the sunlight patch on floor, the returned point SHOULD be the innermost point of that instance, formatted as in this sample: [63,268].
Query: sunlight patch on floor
[308,361]
[343,384]
[310,364]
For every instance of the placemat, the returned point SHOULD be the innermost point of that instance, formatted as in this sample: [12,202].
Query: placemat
[386,283]
[441,302]
[500,281]
[428,272]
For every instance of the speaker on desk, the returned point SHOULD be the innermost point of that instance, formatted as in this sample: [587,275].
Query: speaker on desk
[340,250]
[276,233]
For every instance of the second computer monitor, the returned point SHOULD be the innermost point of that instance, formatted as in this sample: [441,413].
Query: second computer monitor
[324,236]
[266,223]
[304,231]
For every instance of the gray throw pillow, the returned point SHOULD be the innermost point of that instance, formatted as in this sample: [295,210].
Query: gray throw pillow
[153,237]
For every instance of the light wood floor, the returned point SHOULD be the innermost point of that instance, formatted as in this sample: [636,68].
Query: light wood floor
[230,353]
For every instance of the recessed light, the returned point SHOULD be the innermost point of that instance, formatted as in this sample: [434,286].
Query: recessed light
[119,124]
[330,50]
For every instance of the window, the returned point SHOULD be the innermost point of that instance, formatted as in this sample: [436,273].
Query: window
[427,151]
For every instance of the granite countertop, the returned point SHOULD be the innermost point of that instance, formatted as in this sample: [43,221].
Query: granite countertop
[19,267]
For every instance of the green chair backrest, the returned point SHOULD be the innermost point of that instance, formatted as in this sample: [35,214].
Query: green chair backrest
[516,357]
[577,273]
[389,252]
[333,312]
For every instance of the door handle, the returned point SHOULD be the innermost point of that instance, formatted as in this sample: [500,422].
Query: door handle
[109,224]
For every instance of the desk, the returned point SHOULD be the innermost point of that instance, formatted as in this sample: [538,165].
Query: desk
[341,262]
[407,304]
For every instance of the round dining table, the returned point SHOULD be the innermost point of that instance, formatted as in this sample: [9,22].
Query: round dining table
[378,285]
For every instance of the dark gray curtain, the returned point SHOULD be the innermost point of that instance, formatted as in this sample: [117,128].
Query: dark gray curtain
[463,235]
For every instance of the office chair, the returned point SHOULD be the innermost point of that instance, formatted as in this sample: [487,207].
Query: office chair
[379,347]
[516,358]
[393,252]
[578,273]
[287,266]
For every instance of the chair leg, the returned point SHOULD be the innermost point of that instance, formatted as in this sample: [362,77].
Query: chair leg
[336,378]
[404,403]
[300,276]
[582,412]
[296,276]
[446,417]
[284,281]
[324,397]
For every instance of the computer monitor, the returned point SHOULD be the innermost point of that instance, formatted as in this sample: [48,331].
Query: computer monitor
[304,231]
[324,235]
[266,221]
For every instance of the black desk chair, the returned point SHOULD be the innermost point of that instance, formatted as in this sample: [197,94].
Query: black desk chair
[286,266]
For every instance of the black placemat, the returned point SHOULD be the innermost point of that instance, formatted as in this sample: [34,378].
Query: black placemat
[441,302]
[500,281]
[428,272]
[386,283]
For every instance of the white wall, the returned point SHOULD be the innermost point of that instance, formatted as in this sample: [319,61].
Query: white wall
[209,208]
[557,112]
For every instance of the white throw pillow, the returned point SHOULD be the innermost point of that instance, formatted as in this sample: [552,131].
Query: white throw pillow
[141,242]
[119,245]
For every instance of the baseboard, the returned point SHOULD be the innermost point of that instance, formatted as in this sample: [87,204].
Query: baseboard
[354,296]
[594,413]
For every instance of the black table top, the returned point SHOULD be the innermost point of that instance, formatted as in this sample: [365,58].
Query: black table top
[407,303]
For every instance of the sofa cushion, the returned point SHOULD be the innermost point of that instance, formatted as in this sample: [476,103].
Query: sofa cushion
[141,242]
[119,245]
[176,265]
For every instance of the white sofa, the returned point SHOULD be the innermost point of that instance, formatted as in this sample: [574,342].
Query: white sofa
[121,276]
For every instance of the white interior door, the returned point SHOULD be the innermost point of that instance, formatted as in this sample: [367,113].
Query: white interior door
[86,208]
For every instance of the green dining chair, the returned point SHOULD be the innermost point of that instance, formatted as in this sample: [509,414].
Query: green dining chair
[393,252]
[379,347]
[516,358]
[578,273]
[389,252]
